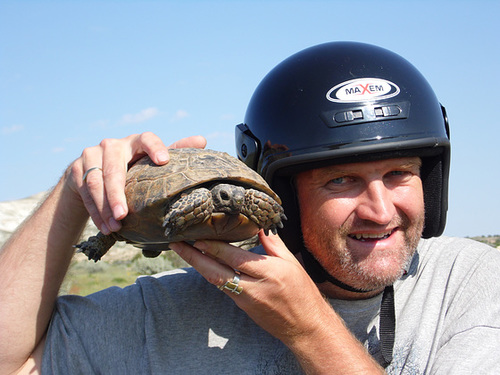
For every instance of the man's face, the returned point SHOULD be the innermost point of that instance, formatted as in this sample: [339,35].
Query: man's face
[363,221]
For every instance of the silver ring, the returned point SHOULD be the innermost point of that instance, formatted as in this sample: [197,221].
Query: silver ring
[84,179]
[233,285]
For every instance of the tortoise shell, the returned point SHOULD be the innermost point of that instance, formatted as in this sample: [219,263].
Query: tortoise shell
[171,194]
[150,190]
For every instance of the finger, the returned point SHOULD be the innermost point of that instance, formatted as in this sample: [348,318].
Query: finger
[212,270]
[92,188]
[83,191]
[245,261]
[115,160]
[117,156]
[274,245]
[150,144]
[195,141]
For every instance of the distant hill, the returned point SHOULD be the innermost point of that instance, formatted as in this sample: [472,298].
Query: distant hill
[489,240]
[12,213]
[120,267]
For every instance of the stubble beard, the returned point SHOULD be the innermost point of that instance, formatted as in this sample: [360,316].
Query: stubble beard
[372,272]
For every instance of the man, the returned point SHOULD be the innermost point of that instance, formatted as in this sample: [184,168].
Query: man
[353,139]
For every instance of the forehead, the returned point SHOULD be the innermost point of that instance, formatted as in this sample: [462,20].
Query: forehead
[405,163]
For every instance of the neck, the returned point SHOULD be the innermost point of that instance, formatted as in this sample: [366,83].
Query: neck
[330,290]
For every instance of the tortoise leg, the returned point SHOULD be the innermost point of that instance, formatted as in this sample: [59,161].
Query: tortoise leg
[263,210]
[192,208]
[151,253]
[96,246]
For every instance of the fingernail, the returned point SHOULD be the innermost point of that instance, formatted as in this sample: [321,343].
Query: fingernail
[114,225]
[105,230]
[162,156]
[118,212]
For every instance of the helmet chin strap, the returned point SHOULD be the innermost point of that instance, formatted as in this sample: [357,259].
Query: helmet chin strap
[387,311]
[319,275]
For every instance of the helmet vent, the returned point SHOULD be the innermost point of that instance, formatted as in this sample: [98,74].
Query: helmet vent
[348,116]
[387,111]
[367,113]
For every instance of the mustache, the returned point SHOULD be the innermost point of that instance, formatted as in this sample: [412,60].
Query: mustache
[400,221]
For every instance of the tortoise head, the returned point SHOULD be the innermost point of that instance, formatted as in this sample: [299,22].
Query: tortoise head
[228,198]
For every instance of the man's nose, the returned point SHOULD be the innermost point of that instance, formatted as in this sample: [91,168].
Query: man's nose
[376,203]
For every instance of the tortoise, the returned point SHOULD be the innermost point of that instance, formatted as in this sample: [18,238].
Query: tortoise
[198,194]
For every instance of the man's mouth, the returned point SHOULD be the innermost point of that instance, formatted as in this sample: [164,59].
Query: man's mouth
[364,237]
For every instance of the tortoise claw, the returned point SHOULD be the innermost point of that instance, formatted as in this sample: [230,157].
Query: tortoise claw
[96,246]
[167,232]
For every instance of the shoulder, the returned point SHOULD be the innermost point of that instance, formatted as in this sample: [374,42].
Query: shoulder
[454,244]
[175,285]
[448,306]
[450,263]
[456,252]
[182,279]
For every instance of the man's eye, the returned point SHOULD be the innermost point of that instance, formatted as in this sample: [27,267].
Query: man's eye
[401,173]
[338,180]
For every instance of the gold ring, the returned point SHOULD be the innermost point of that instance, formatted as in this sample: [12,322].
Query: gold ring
[233,285]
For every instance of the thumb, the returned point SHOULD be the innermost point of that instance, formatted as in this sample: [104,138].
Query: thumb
[274,246]
[195,141]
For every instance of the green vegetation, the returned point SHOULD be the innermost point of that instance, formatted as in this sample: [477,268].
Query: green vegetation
[85,277]
[492,240]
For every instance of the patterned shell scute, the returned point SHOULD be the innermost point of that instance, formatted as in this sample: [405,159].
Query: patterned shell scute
[190,198]
[187,168]
[150,189]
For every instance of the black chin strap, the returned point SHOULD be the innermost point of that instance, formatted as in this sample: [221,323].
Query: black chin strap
[387,324]
[387,313]
[319,275]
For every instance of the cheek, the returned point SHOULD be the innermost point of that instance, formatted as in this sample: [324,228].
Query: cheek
[411,200]
[324,213]
[319,211]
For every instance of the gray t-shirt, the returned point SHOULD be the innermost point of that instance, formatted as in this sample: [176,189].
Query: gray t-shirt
[447,321]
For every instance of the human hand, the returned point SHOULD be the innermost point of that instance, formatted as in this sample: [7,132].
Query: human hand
[102,192]
[277,292]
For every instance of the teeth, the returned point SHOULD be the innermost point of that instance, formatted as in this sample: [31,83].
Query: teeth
[364,236]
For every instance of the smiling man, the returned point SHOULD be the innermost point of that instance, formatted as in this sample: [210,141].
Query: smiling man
[362,222]
[355,142]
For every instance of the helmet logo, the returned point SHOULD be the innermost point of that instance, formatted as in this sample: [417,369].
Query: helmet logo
[362,89]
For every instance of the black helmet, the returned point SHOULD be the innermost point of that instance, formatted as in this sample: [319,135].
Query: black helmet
[345,102]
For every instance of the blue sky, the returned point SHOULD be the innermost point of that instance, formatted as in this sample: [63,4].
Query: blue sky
[75,72]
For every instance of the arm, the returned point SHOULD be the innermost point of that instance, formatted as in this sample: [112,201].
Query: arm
[280,297]
[34,261]
[32,267]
